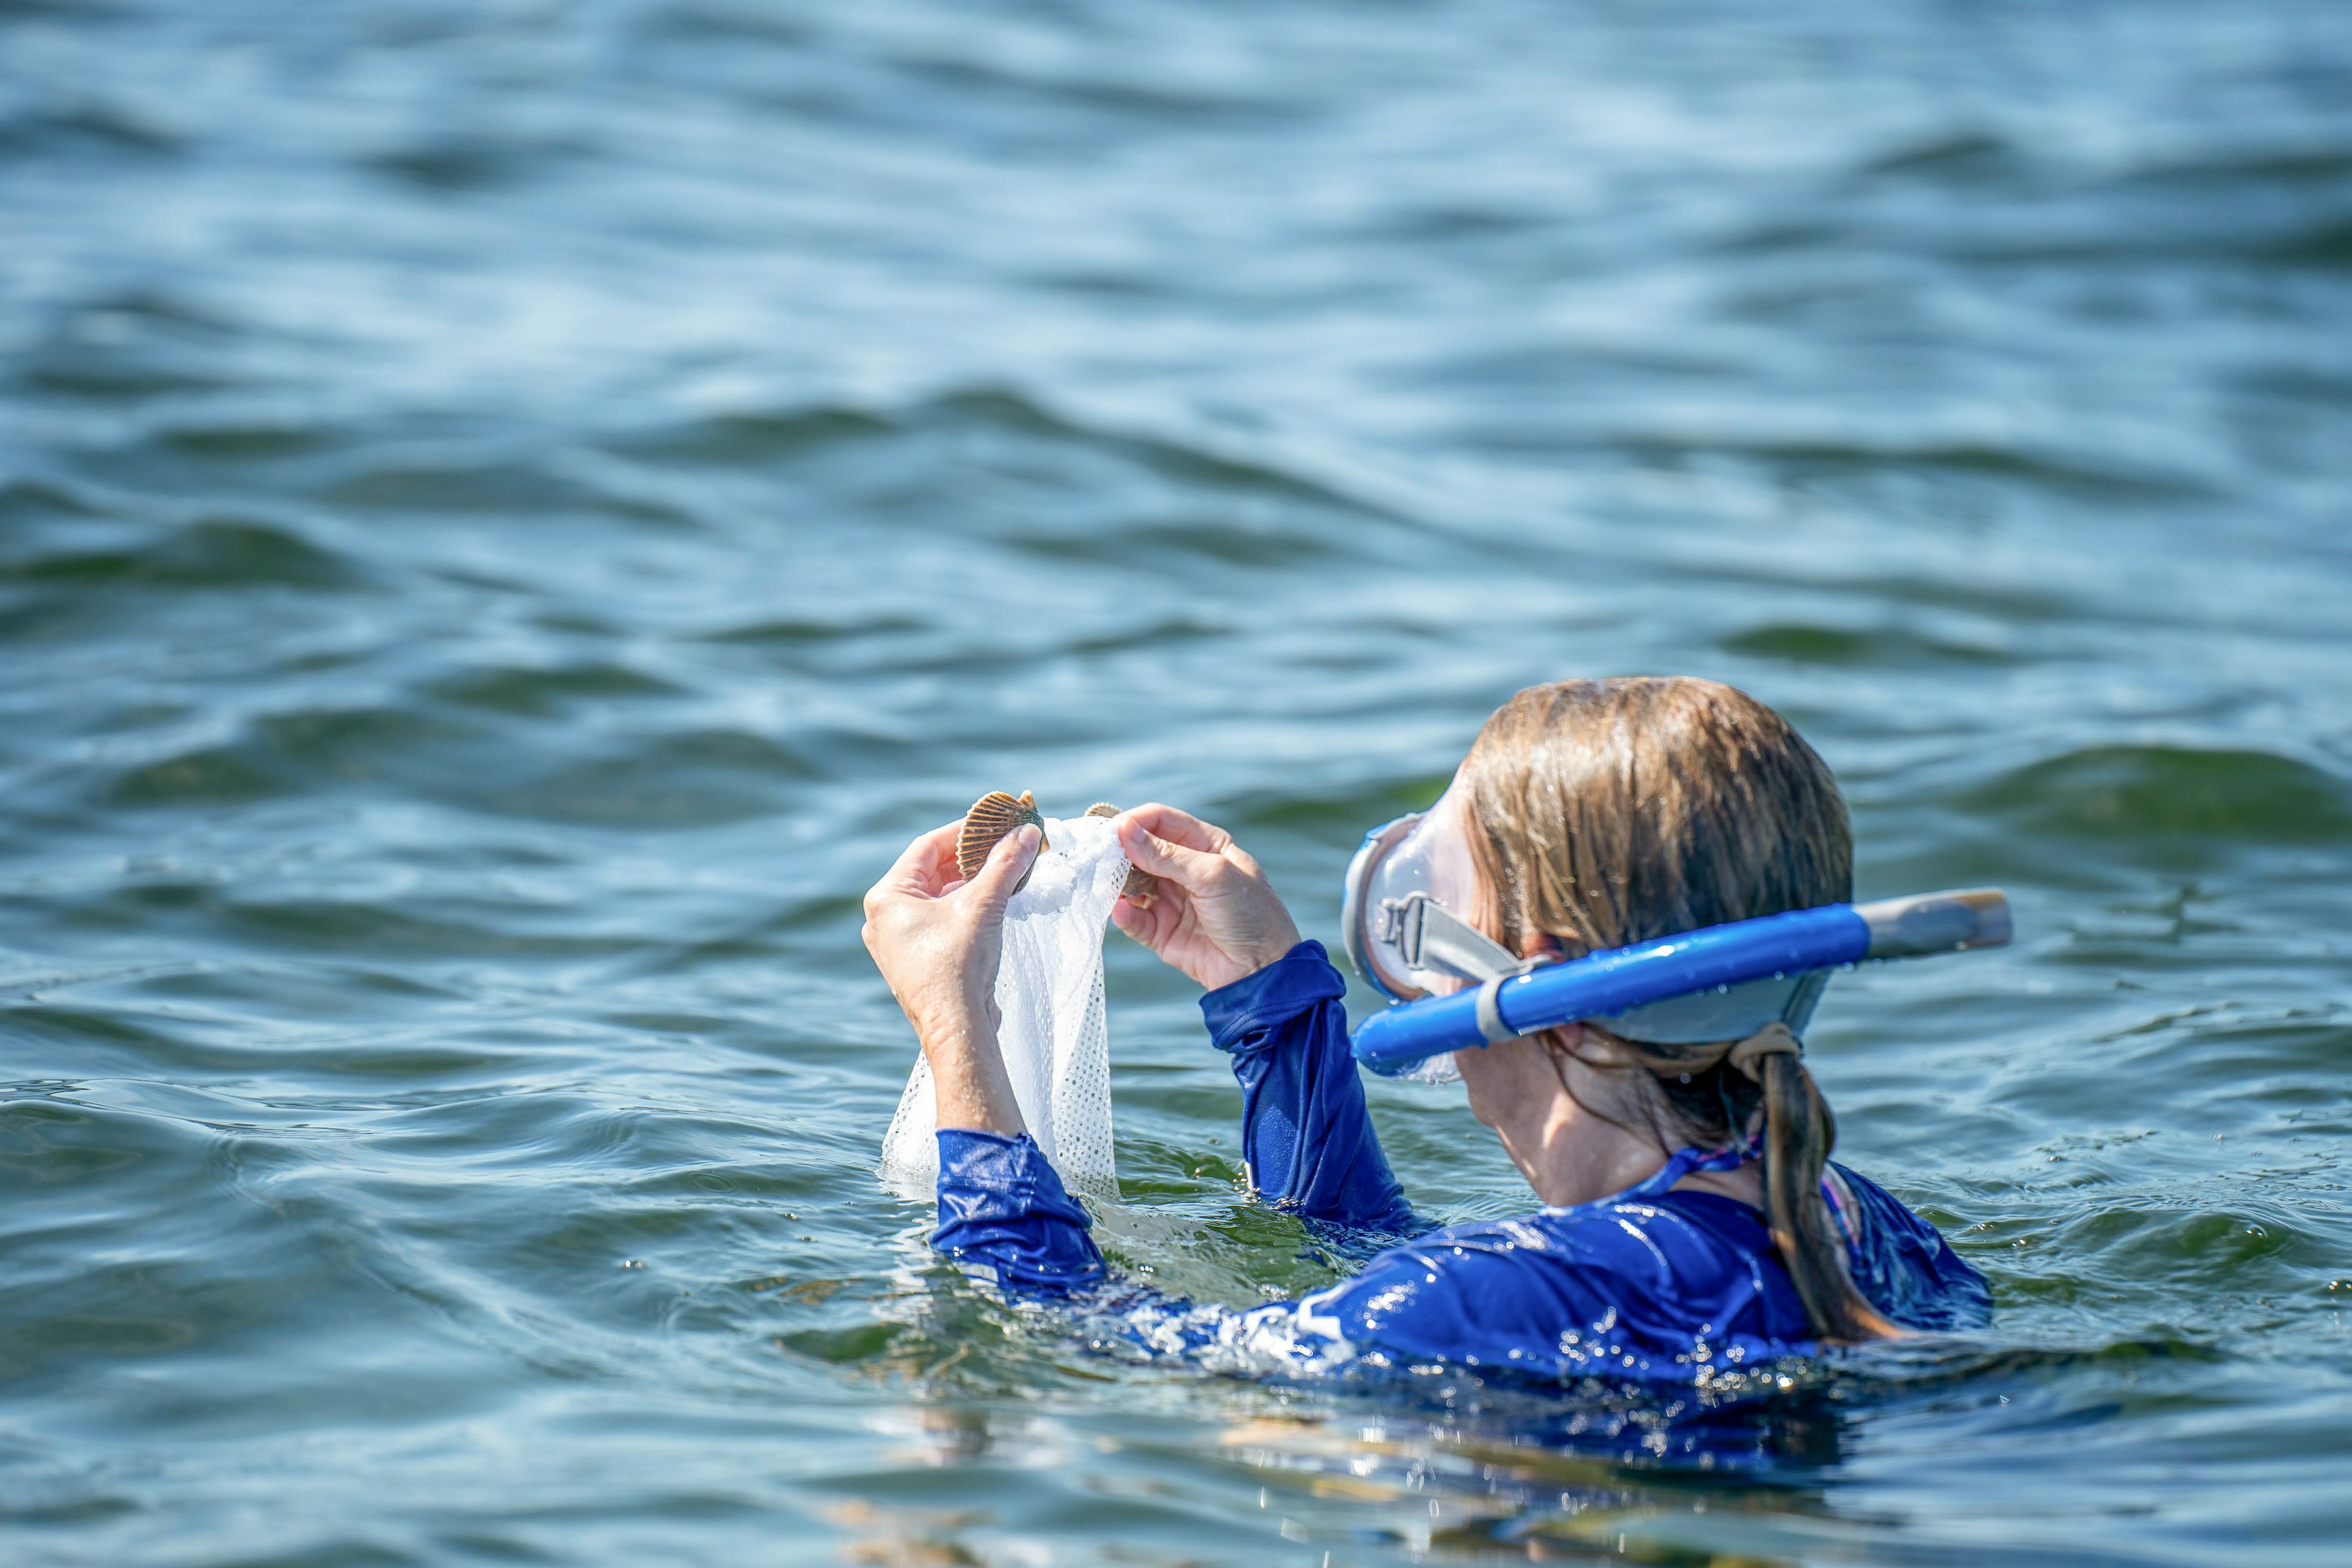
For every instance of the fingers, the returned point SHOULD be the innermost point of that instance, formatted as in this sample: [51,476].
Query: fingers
[1162,928]
[1179,828]
[1151,923]
[1191,869]
[1135,921]
[992,884]
[922,868]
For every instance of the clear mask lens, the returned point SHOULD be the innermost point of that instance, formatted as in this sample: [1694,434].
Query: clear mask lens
[1412,893]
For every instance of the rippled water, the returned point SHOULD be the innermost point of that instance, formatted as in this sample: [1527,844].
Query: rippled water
[509,514]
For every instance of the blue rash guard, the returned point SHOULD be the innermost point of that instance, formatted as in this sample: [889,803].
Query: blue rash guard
[1651,1286]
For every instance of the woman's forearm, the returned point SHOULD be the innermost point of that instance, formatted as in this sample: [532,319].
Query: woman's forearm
[974,1091]
[937,941]
[1306,1131]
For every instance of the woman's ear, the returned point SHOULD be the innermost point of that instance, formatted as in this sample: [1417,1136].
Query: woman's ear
[1539,943]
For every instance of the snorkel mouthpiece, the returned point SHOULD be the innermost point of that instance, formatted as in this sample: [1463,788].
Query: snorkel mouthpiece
[1715,982]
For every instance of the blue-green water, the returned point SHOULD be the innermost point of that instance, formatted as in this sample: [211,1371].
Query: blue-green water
[510,513]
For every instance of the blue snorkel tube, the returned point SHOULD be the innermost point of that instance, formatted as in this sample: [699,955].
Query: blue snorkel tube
[1711,959]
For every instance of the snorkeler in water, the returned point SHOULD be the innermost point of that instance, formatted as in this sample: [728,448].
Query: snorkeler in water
[1691,1222]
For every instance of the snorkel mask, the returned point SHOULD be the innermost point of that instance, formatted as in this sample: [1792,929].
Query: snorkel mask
[1412,893]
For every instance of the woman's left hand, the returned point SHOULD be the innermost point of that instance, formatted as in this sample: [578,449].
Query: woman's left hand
[937,941]
[1214,915]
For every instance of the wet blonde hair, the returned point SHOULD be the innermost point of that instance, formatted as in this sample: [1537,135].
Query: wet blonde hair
[1615,811]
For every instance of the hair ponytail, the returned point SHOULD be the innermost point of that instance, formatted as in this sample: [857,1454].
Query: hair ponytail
[1713,1093]
[1798,1132]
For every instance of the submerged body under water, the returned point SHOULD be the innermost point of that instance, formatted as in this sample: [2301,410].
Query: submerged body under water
[1648,1286]
[512,515]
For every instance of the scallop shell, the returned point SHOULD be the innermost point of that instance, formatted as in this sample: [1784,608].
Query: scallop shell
[992,816]
[1142,885]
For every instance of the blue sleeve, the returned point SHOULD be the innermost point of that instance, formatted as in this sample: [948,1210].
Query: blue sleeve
[1003,1212]
[1305,1133]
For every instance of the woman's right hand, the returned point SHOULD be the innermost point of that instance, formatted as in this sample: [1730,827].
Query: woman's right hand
[1215,916]
[937,940]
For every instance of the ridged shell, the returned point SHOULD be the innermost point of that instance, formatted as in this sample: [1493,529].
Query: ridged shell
[992,816]
[1142,885]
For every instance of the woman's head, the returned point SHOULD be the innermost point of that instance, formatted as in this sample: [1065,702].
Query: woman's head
[1606,812]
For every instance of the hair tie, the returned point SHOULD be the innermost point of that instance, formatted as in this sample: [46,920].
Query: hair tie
[1774,1039]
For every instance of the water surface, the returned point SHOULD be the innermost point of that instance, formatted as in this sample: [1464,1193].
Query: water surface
[511,513]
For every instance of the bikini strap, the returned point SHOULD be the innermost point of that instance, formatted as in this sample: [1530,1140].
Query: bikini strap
[1681,1163]
[1730,1157]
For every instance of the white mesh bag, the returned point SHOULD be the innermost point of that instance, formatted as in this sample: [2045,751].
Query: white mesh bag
[1049,994]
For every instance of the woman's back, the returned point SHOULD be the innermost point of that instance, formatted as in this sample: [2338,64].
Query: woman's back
[1651,1288]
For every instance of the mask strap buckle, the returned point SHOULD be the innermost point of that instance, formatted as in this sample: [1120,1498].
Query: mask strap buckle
[1428,937]
[1431,938]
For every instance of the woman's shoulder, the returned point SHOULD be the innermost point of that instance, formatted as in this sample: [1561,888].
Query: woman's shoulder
[1904,1267]
[1647,1287]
